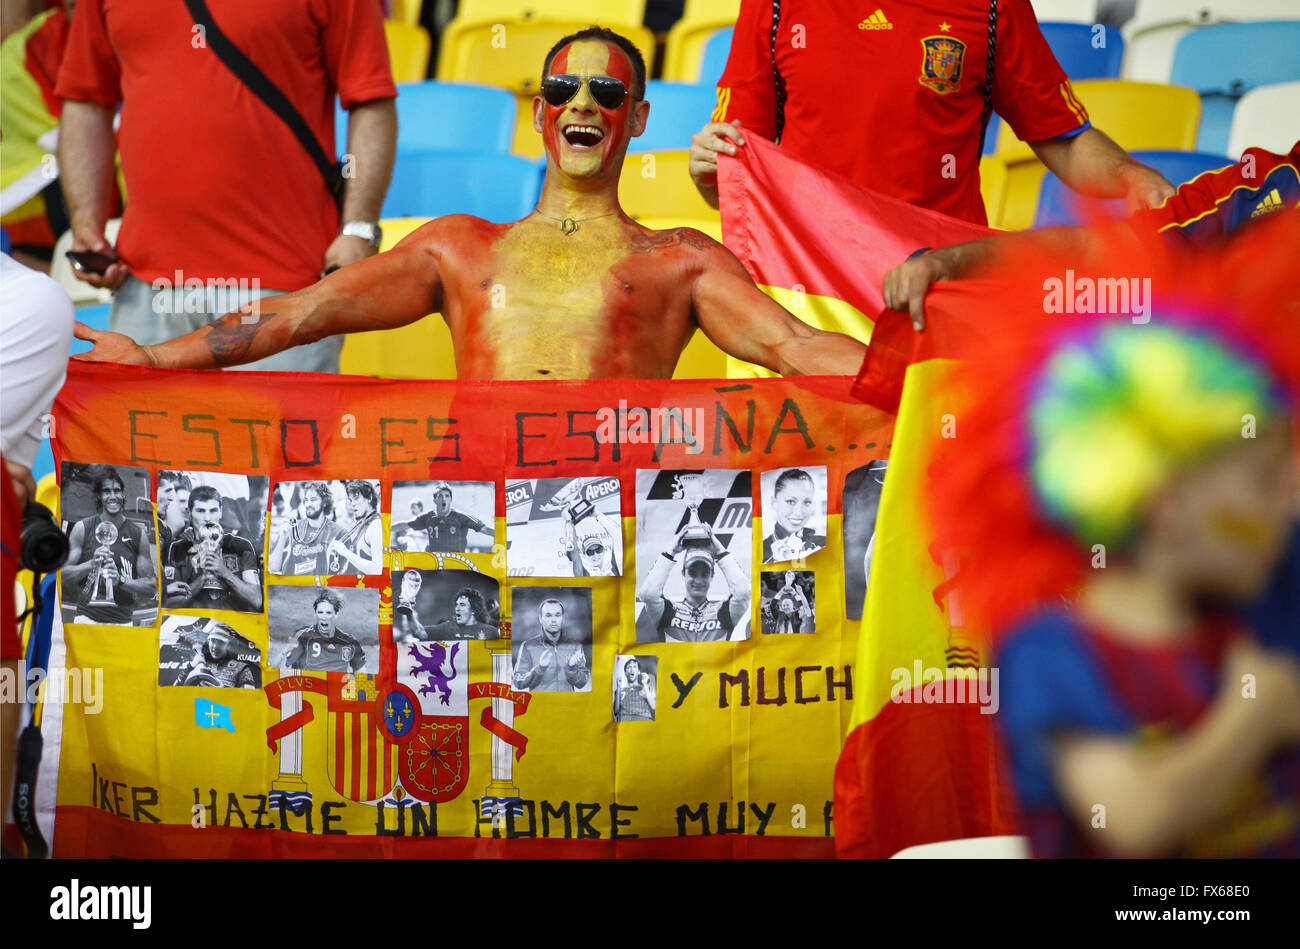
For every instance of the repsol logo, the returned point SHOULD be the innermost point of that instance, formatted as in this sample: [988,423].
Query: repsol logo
[519,494]
[696,627]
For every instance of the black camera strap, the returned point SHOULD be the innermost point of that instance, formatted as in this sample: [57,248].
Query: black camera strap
[247,72]
[30,741]
[776,74]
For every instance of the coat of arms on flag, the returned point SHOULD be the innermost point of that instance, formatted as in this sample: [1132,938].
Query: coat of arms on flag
[359,753]
[941,63]
[433,739]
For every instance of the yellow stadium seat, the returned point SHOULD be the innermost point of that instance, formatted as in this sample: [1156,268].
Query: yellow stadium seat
[658,185]
[420,350]
[510,53]
[711,226]
[701,360]
[993,187]
[685,46]
[1139,116]
[407,11]
[408,50]
[613,13]
[528,141]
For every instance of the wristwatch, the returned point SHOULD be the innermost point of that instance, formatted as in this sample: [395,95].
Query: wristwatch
[368,231]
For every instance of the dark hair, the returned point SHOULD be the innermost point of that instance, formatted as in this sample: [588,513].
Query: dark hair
[323,492]
[178,478]
[330,597]
[792,474]
[476,604]
[204,492]
[609,36]
[364,489]
[107,476]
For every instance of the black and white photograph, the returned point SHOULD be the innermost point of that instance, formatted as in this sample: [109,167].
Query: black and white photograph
[794,513]
[636,686]
[564,527]
[198,651]
[326,528]
[444,517]
[862,487]
[552,635]
[213,560]
[439,605]
[109,578]
[325,629]
[789,603]
[694,536]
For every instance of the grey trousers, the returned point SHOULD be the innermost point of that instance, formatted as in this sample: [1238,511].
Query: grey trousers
[150,316]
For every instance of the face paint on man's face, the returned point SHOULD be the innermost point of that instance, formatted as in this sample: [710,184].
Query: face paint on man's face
[587,58]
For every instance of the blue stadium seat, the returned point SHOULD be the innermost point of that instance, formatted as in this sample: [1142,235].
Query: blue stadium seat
[1058,206]
[716,51]
[1086,52]
[677,111]
[498,188]
[460,116]
[1225,60]
[1072,44]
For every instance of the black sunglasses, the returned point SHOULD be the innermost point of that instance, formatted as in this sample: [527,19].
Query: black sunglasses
[606,90]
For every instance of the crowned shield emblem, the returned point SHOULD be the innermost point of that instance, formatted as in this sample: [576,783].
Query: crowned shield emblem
[942,58]
[361,755]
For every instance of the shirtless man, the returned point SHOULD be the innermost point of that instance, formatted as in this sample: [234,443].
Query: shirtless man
[576,290]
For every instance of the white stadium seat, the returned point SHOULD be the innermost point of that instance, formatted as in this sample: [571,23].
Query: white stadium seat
[1267,117]
[1152,35]
[61,270]
[1065,11]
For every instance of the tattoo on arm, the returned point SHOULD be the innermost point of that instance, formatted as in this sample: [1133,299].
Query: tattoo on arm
[674,237]
[230,336]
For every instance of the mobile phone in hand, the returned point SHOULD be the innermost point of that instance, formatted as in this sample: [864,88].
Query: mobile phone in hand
[92,262]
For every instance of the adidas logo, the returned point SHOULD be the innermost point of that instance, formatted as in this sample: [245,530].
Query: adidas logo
[877,21]
[1270,202]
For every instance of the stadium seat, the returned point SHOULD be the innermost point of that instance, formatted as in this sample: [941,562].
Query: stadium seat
[510,53]
[498,188]
[1224,61]
[701,360]
[1152,35]
[408,50]
[677,110]
[658,185]
[993,187]
[1065,11]
[1085,51]
[716,52]
[613,13]
[420,350]
[687,40]
[457,116]
[61,269]
[407,11]
[1264,118]
[1137,115]
[1058,206]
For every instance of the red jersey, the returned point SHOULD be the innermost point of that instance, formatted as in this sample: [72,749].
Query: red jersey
[217,185]
[1213,205]
[892,99]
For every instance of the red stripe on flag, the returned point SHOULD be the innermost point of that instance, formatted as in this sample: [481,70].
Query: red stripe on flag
[340,748]
[355,786]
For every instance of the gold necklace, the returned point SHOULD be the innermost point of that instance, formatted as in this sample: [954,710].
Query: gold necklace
[568,225]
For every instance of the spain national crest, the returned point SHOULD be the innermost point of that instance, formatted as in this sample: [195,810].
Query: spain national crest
[360,755]
[941,63]
[433,758]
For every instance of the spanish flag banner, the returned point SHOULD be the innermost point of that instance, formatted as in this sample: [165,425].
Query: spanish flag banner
[818,244]
[329,615]
[919,764]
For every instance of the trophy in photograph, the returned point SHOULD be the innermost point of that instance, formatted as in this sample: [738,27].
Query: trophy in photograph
[690,488]
[209,546]
[99,587]
[574,507]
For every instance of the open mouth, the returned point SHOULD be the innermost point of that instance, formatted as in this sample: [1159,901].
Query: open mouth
[583,136]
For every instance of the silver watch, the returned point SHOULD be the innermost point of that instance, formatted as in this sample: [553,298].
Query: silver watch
[369,231]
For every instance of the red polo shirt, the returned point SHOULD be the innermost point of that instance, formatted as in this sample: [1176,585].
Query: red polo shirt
[217,186]
[889,94]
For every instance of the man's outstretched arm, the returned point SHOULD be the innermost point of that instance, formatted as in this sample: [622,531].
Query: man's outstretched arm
[381,292]
[742,320]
